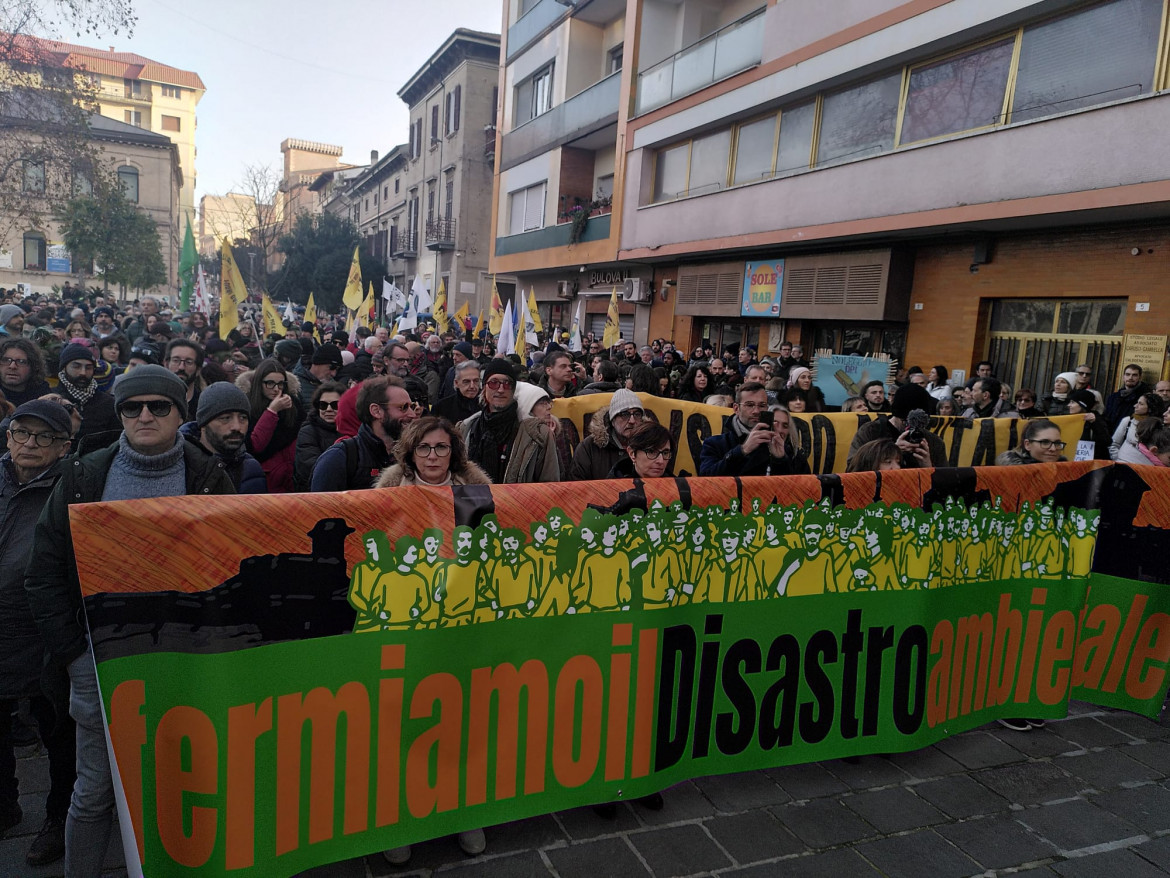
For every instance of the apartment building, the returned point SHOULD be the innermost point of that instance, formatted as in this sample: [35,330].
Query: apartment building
[942,180]
[141,92]
[228,216]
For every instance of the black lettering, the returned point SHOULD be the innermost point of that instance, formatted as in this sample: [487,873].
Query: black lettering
[877,642]
[778,706]
[824,440]
[851,643]
[960,426]
[708,674]
[732,737]
[801,433]
[910,680]
[572,437]
[984,453]
[816,716]
[674,702]
[698,432]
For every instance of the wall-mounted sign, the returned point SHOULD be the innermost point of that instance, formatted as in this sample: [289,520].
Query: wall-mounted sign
[609,277]
[1148,351]
[57,259]
[762,283]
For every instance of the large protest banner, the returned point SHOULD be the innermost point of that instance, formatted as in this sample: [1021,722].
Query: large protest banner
[825,437]
[295,680]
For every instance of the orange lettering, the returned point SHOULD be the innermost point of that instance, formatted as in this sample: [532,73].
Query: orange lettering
[644,701]
[423,797]
[936,686]
[1124,643]
[1059,642]
[506,682]
[581,671]
[172,781]
[389,736]
[618,720]
[1092,653]
[1153,645]
[246,723]
[128,735]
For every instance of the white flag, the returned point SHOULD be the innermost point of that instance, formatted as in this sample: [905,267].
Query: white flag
[393,295]
[289,314]
[506,343]
[529,324]
[575,343]
[422,298]
[409,318]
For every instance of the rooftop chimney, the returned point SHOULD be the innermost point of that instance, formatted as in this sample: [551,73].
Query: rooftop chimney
[373,156]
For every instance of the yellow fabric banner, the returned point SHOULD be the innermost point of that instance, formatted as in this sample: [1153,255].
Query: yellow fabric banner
[352,297]
[231,291]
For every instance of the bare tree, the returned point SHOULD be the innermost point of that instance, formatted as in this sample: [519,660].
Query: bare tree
[250,216]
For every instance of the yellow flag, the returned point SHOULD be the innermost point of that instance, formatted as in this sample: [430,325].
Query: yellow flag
[497,311]
[363,314]
[231,290]
[613,331]
[480,322]
[536,324]
[311,312]
[352,297]
[439,309]
[273,324]
[460,318]
[350,321]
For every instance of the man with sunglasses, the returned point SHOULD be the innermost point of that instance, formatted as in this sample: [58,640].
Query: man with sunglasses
[384,408]
[38,439]
[149,460]
[510,449]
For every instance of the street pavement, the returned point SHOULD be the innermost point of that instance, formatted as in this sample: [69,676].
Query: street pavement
[1087,797]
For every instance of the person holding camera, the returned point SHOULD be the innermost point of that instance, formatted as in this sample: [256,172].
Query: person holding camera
[920,447]
[754,441]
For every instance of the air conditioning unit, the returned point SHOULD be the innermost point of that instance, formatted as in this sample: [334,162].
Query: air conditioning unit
[636,290]
[565,289]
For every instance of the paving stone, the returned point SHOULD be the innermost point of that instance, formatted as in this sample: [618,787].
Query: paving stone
[1122,863]
[1075,825]
[823,823]
[929,762]
[732,793]
[830,864]
[869,772]
[1155,754]
[894,810]
[605,858]
[355,868]
[1030,783]
[961,797]
[922,854]
[522,835]
[809,781]
[1088,732]
[682,801]
[1156,852]
[979,750]
[1137,726]
[754,836]
[1106,769]
[683,850]
[1036,743]
[996,842]
[426,856]
[522,865]
[1146,807]
[583,823]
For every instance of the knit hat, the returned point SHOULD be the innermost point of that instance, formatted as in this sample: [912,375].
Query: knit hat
[289,348]
[1083,398]
[7,312]
[75,351]
[499,366]
[795,373]
[340,338]
[52,413]
[1070,377]
[104,309]
[308,327]
[527,396]
[909,397]
[150,380]
[219,399]
[623,401]
[464,348]
[328,353]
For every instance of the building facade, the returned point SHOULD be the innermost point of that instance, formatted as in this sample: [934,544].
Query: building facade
[228,216]
[941,180]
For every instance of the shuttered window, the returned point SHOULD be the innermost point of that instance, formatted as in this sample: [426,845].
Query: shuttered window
[710,290]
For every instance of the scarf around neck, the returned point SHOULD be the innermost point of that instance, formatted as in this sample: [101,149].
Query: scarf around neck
[80,396]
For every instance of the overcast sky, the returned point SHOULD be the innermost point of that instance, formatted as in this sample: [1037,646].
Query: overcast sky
[324,71]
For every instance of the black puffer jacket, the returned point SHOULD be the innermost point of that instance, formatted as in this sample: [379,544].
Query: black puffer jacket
[314,437]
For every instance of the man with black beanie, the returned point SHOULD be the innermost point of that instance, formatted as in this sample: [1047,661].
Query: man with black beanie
[323,366]
[929,451]
[221,428]
[99,422]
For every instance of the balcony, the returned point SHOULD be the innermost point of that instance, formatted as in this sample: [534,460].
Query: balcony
[405,246]
[582,114]
[441,233]
[530,25]
[552,236]
[729,50]
[489,143]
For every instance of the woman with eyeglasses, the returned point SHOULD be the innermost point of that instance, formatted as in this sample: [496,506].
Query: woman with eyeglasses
[275,418]
[318,432]
[1026,404]
[1041,443]
[649,454]
[431,452]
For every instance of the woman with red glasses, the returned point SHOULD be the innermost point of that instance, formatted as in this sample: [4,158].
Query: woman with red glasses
[318,432]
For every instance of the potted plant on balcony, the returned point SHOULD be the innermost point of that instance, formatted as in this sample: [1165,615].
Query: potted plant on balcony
[578,215]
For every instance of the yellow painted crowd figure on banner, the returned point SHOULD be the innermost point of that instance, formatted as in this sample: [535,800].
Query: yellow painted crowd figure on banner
[671,556]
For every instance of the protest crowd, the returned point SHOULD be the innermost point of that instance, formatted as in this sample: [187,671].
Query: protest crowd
[105,400]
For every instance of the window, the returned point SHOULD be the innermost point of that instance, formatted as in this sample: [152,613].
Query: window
[453,101]
[495,104]
[614,59]
[605,186]
[525,6]
[434,124]
[385,191]
[526,209]
[534,95]
[34,177]
[416,133]
[960,93]
[449,207]
[133,117]
[430,204]
[1099,54]
[366,205]
[859,121]
[133,88]
[34,251]
[82,180]
[172,91]
[755,148]
[170,123]
[796,131]
[396,182]
[709,157]
[128,178]
[670,173]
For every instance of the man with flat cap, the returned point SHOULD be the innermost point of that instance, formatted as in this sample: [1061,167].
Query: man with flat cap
[150,459]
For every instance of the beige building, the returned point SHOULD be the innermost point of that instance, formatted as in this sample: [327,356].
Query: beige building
[143,93]
[147,165]
[304,161]
[228,216]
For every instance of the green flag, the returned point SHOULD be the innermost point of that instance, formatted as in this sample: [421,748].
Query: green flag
[188,261]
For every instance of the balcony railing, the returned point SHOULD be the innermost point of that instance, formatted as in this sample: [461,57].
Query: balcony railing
[441,233]
[405,246]
[584,113]
[735,47]
[552,236]
[535,20]
[489,142]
